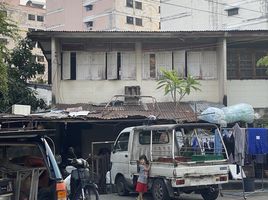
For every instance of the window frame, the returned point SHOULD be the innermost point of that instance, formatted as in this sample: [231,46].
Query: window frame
[138,5]
[89,7]
[130,22]
[232,11]
[130,3]
[156,137]
[138,20]
[30,17]
[117,143]
[40,18]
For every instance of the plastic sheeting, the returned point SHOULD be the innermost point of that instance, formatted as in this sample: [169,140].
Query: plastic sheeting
[239,112]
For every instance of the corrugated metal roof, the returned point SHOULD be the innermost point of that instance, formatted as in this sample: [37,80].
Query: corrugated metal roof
[128,31]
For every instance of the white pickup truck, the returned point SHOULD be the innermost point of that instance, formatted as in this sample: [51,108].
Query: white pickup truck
[184,158]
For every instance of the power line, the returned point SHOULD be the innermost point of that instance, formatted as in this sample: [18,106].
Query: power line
[232,6]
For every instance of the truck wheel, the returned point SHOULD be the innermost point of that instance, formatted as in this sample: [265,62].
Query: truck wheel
[159,190]
[121,186]
[210,193]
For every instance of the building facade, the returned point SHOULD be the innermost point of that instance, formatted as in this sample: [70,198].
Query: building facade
[214,15]
[29,16]
[84,15]
[95,66]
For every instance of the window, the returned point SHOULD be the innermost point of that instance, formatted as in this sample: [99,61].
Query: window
[40,18]
[122,142]
[130,20]
[89,24]
[129,3]
[152,66]
[138,21]
[232,11]
[158,137]
[31,17]
[89,7]
[242,64]
[31,29]
[138,5]
[202,64]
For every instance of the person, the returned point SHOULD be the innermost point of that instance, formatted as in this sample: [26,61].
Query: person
[143,169]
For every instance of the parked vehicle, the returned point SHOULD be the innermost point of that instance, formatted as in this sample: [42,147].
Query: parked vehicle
[79,184]
[184,158]
[29,167]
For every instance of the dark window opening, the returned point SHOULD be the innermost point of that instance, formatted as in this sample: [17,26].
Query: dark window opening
[130,20]
[40,18]
[31,17]
[122,142]
[73,65]
[129,3]
[89,7]
[152,66]
[233,11]
[138,5]
[138,21]
[118,65]
[89,24]
[158,137]
[242,64]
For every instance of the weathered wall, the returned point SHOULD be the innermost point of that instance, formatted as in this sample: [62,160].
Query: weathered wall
[254,92]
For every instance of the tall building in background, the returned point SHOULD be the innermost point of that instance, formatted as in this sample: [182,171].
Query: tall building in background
[29,16]
[214,14]
[86,15]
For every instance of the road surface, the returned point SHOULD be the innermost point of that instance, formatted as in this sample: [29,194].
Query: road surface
[227,195]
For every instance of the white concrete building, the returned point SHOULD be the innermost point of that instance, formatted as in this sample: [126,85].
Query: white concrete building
[95,66]
[214,14]
[82,15]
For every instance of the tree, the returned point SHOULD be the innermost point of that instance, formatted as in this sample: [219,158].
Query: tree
[175,85]
[8,30]
[263,62]
[22,66]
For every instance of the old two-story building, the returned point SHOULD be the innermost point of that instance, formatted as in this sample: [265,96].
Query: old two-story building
[91,67]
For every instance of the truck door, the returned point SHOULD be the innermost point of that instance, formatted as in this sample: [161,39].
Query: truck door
[120,156]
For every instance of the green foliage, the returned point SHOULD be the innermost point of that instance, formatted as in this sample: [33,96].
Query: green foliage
[175,85]
[8,29]
[263,62]
[22,67]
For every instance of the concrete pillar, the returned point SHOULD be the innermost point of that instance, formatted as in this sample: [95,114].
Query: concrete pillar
[222,70]
[138,50]
[55,70]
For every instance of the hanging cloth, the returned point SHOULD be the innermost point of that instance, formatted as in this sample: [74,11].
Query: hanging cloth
[257,141]
[240,142]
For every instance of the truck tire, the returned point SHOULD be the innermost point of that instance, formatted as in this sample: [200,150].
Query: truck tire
[159,190]
[121,186]
[210,193]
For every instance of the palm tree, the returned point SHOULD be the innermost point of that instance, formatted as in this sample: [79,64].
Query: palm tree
[174,85]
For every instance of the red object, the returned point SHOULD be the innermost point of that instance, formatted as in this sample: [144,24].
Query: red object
[141,187]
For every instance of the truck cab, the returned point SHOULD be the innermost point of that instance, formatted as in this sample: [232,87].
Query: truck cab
[184,158]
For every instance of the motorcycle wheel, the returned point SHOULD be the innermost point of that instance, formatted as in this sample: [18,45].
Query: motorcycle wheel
[91,193]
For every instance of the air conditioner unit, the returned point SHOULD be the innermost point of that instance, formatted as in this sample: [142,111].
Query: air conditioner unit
[134,91]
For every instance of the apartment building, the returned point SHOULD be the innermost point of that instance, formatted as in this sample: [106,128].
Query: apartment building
[29,16]
[214,14]
[115,15]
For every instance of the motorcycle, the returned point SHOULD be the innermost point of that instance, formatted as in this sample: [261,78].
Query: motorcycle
[80,185]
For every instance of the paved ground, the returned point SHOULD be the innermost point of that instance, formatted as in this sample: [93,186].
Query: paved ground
[226,196]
